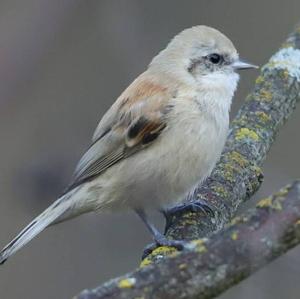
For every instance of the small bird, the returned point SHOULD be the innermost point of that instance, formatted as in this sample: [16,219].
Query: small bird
[160,139]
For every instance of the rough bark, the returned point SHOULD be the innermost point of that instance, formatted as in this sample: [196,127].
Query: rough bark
[202,269]
[238,175]
[210,266]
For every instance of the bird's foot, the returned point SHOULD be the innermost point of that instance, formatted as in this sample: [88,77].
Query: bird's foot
[161,240]
[195,206]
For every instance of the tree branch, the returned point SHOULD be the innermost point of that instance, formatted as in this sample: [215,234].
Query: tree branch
[238,175]
[194,272]
[212,265]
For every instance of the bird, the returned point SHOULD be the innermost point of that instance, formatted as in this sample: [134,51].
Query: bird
[159,140]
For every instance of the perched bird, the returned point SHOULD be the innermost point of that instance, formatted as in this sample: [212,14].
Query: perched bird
[161,137]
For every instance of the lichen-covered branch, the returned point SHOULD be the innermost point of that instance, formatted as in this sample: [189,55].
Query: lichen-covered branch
[210,266]
[192,272]
[253,131]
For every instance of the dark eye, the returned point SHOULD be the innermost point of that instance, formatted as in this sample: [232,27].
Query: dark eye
[215,58]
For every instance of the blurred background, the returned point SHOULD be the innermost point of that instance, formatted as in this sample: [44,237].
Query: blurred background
[62,64]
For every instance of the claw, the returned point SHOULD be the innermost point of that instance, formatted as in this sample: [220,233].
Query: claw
[161,240]
[195,206]
[148,250]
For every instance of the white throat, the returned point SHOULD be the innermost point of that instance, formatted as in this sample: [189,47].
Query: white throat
[217,90]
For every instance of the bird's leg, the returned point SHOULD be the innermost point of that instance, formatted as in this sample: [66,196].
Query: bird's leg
[159,238]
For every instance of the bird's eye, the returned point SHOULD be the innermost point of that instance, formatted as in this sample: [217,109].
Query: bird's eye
[215,58]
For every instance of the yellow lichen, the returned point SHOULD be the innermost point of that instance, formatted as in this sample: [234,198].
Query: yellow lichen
[188,221]
[263,116]
[235,220]
[286,74]
[159,251]
[241,122]
[264,203]
[182,266]
[229,172]
[190,214]
[270,64]
[259,80]
[238,158]
[126,283]
[270,203]
[287,45]
[145,262]
[234,236]
[164,250]
[277,205]
[282,192]
[266,95]
[199,245]
[246,133]
[201,249]
[258,171]
[220,190]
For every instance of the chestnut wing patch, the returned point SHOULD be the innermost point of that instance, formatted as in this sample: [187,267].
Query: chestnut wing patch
[141,133]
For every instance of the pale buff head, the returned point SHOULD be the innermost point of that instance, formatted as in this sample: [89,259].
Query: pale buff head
[200,52]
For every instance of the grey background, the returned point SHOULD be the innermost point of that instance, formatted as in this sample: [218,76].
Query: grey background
[62,64]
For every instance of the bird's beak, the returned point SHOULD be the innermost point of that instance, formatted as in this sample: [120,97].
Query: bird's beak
[243,65]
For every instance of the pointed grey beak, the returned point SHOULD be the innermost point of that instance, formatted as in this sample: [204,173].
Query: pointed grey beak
[243,65]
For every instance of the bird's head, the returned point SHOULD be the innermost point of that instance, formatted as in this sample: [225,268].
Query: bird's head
[204,55]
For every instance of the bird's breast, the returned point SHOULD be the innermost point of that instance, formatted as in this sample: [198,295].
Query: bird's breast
[164,172]
[190,149]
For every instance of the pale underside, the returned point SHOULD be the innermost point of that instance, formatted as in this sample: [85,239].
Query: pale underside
[149,150]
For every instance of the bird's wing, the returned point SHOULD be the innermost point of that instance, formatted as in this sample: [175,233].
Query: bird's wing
[134,121]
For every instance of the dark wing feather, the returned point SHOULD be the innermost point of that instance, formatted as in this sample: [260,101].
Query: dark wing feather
[132,123]
[115,146]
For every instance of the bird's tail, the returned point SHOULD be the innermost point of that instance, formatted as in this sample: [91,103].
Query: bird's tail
[57,209]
